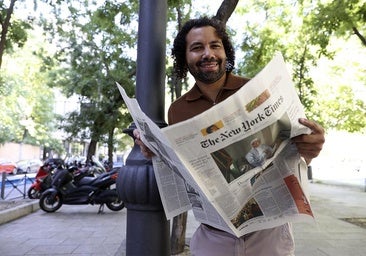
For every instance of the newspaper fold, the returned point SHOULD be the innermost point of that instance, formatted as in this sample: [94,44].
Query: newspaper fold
[234,164]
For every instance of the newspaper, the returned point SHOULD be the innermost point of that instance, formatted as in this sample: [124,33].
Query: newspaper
[207,163]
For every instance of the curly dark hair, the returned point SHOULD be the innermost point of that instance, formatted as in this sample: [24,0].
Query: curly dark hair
[180,44]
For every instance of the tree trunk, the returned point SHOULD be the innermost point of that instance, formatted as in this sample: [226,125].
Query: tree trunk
[91,149]
[177,239]
[110,148]
[359,35]
[225,10]
[4,29]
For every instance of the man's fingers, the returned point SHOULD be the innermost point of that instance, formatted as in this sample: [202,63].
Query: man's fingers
[315,127]
[143,148]
[136,133]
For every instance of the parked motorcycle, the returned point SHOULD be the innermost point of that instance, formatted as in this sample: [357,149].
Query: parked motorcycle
[43,178]
[68,188]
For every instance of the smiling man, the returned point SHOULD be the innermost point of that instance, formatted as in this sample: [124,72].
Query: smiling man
[203,48]
[206,52]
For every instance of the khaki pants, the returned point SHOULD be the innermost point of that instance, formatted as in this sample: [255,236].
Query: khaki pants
[276,241]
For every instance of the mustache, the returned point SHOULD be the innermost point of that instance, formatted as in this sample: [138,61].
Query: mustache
[211,60]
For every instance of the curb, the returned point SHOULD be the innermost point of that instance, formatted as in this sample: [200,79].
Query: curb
[361,187]
[19,211]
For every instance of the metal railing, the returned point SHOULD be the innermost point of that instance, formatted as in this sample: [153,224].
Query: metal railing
[15,186]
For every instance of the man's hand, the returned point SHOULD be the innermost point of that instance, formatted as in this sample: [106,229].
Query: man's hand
[144,149]
[310,145]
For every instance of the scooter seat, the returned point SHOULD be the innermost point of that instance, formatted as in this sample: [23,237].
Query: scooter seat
[86,180]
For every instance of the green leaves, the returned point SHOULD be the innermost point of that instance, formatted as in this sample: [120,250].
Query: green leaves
[340,18]
[303,32]
[95,52]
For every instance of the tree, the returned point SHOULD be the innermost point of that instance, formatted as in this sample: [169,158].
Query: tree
[93,55]
[342,18]
[327,21]
[297,36]
[27,103]
[352,118]
[341,100]
[260,42]
[13,32]
[176,14]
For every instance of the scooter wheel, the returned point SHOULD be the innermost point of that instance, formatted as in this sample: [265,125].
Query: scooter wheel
[33,193]
[49,202]
[116,206]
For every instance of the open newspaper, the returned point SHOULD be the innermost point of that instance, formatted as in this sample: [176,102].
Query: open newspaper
[234,164]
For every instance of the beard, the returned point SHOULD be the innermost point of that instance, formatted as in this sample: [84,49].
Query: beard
[208,77]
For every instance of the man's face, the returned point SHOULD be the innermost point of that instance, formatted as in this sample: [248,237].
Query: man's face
[256,143]
[205,54]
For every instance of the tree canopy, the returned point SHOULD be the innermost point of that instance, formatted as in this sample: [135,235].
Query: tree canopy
[95,45]
[13,31]
[295,29]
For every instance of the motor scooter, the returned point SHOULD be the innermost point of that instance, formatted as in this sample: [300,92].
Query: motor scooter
[45,173]
[42,182]
[68,189]
[43,178]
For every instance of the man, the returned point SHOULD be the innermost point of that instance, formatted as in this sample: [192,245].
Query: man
[258,154]
[202,47]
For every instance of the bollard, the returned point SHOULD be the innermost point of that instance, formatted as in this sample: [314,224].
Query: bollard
[148,231]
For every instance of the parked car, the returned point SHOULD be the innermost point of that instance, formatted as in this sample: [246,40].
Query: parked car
[28,166]
[8,167]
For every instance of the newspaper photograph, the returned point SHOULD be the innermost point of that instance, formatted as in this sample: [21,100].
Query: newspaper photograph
[234,165]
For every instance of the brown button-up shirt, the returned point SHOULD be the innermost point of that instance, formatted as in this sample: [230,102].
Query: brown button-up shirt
[195,102]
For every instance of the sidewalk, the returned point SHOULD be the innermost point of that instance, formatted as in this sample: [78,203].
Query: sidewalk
[333,236]
[79,230]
